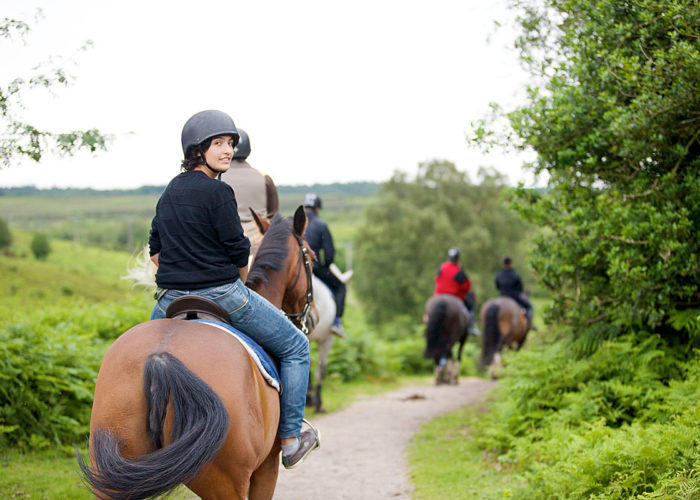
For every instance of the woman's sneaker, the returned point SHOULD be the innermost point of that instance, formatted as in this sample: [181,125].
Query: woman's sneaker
[308,442]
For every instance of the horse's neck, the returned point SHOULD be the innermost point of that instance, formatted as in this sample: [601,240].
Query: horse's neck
[273,290]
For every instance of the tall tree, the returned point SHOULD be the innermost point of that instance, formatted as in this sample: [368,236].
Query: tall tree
[615,121]
[407,232]
[21,139]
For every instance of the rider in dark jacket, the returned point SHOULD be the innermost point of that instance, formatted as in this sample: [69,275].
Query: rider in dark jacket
[510,284]
[321,242]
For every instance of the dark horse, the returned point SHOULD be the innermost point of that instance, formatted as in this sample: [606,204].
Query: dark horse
[178,401]
[447,321]
[504,323]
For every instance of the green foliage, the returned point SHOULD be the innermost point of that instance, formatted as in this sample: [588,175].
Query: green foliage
[48,366]
[621,423]
[46,383]
[405,235]
[610,412]
[57,318]
[5,234]
[614,122]
[41,247]
[20,139]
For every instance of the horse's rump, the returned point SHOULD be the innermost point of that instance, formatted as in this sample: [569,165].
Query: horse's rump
[503,323]
[447,323]
[170,385]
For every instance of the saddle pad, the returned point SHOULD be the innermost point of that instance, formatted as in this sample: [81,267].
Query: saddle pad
[259,356]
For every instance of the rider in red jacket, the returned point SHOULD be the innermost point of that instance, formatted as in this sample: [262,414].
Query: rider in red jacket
[452,279]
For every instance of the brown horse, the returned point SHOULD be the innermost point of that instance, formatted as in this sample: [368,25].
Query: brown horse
[446,324]
[182,402]
[504,323]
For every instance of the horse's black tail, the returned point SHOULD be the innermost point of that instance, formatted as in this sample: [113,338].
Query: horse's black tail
[491,336]
[436,343]
[200,425]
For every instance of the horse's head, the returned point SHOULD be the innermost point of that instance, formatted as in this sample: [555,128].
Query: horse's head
[282,266]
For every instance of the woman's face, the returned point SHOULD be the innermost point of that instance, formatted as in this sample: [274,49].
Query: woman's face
[220,153]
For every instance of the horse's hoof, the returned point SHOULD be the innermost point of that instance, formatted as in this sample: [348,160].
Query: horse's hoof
[321,409]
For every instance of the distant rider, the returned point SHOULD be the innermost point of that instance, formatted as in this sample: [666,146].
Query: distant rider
[321,242]
[452,279]
[253,189]
[510,284]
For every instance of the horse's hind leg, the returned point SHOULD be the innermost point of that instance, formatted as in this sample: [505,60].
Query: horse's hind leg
[220,484]
[263,480]
[452,376]
[324,349]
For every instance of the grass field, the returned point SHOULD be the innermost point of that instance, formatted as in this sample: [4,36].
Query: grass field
[122,221]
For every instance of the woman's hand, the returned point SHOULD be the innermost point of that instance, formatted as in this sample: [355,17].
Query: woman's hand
[243,271]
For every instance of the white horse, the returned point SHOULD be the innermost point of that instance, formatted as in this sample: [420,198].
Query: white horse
[323,314]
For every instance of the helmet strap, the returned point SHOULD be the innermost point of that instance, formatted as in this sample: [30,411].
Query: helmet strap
[203,162]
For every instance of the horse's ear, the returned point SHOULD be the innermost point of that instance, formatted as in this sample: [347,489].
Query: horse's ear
[300,221]
[263,224]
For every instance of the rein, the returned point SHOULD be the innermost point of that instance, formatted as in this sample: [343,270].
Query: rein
[300,319]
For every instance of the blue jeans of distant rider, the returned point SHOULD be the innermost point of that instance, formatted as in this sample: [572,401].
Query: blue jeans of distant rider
[269,327]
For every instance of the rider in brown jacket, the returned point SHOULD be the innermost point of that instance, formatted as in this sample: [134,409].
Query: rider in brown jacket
[253,189]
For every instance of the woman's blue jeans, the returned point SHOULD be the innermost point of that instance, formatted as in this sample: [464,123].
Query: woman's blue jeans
[269,327]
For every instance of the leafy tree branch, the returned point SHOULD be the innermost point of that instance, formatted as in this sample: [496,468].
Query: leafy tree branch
[21,139]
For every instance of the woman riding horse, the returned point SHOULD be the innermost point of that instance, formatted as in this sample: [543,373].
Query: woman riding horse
[198,243]
[195,236]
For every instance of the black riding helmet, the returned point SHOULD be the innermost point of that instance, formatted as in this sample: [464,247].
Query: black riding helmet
[453,254]
[312,200]
[205,125]
[242,150]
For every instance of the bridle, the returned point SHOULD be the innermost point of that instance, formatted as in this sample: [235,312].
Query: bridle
[300,319]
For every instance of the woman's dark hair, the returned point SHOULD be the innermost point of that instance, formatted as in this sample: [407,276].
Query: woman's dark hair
[195,155]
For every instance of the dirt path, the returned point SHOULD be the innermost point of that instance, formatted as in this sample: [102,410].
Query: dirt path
[363,448]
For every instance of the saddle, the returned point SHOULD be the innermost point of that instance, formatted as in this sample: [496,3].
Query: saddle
[196,307]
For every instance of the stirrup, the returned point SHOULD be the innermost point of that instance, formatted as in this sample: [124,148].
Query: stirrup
[315,431]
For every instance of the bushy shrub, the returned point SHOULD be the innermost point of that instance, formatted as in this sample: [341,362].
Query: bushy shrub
[46,386]
[48,369]
[619,423]
[41,247]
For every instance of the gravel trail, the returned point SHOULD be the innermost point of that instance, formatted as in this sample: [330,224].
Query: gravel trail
[363,447]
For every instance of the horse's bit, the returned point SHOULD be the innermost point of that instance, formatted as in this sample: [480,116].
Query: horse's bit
[300,319]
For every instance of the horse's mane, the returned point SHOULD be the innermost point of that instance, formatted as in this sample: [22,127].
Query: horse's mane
[272,251]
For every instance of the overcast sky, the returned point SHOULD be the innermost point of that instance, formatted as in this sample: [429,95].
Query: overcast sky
[328,91]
